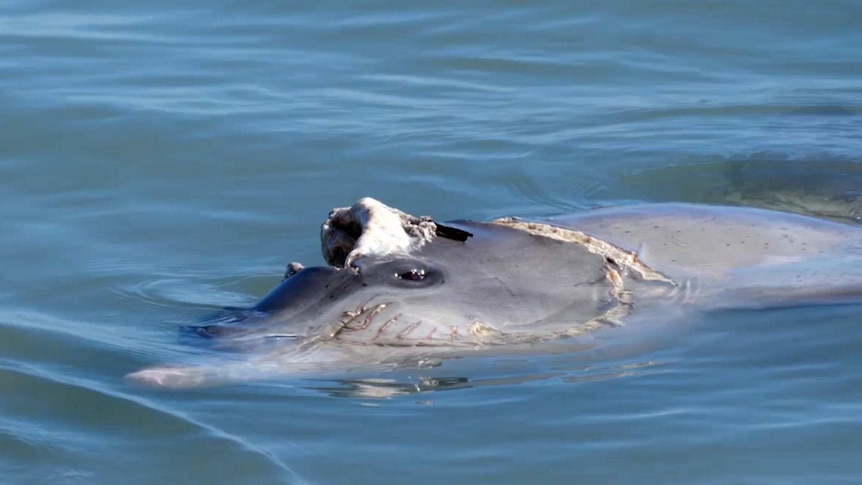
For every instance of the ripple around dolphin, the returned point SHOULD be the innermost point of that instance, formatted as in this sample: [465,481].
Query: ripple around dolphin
[377,388]
[173,292]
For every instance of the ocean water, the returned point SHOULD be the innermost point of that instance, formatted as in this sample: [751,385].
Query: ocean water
[162,159]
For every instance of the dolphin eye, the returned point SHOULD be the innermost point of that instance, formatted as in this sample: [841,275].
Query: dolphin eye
[412,275]
[402,273]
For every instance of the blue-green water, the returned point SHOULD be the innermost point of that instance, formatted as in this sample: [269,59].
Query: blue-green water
[158,159]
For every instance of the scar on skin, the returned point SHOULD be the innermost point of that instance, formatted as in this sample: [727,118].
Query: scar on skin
[620,257]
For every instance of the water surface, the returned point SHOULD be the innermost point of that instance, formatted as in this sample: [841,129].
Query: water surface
[162,159]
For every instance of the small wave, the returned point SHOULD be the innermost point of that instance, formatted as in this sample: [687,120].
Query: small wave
[104,417]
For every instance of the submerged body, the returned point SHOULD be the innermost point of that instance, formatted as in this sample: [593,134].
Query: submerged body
[737,257]
[390,299]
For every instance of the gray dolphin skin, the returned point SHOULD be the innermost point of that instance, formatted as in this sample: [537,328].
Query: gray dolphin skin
[405,291]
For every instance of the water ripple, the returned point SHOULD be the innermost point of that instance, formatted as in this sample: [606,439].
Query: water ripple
[91,418]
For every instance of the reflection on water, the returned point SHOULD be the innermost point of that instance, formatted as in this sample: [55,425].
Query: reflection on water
[387,388]
[380,388]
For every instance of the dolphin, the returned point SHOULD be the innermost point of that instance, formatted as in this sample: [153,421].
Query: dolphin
[400,290]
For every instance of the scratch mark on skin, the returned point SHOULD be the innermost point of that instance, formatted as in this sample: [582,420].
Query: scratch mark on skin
[385,326]
[409,329]
[350,314]
[368,318]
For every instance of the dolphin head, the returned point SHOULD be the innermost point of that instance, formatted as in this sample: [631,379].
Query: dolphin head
[395,285]
[498,286]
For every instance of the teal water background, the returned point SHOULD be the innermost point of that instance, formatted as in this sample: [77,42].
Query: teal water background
[158,159]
